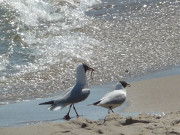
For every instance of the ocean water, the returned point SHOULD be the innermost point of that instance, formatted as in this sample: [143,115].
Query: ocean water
[43,41]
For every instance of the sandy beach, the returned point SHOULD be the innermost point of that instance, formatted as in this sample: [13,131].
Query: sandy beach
[114,124]
[43,42]
[155,95]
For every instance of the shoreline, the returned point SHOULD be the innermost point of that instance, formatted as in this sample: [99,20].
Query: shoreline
[164,72]
[153,100]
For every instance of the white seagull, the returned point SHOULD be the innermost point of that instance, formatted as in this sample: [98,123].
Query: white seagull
[114,98]
[78,93]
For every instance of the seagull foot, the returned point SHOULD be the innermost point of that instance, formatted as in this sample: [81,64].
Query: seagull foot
[67,117]
[78,116]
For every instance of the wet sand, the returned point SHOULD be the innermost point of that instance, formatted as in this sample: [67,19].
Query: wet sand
[114,124]
[155,95]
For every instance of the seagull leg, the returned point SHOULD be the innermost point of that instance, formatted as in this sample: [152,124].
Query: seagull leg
[67,117]
[111,109]
[75,111]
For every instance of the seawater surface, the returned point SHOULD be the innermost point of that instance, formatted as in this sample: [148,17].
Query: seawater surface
[43,41]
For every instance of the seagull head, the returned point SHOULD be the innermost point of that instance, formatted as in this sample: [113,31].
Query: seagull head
[88,68]
[125,84]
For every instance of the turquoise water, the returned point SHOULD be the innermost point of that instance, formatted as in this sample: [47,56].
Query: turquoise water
[43,41]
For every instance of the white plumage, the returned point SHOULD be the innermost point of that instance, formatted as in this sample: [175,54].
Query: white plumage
[114,98]
[78,93]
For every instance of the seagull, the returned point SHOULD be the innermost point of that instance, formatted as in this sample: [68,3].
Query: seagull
[114,98]
[78,93]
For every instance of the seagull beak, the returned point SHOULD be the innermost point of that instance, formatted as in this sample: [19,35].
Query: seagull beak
[91,69]
[128,85]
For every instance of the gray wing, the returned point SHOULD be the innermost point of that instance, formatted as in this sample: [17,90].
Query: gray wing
[114,97]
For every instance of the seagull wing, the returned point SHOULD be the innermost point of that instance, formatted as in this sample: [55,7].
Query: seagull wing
[114,97]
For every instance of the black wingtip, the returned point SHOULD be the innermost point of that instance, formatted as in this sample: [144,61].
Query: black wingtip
[96,103]
[47,103]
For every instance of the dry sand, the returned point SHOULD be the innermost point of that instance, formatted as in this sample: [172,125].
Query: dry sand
[156,95]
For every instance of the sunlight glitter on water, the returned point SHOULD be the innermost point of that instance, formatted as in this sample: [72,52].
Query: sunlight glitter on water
[43,42]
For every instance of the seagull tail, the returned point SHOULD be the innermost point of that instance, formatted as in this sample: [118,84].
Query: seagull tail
[47,103]
[54,107]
